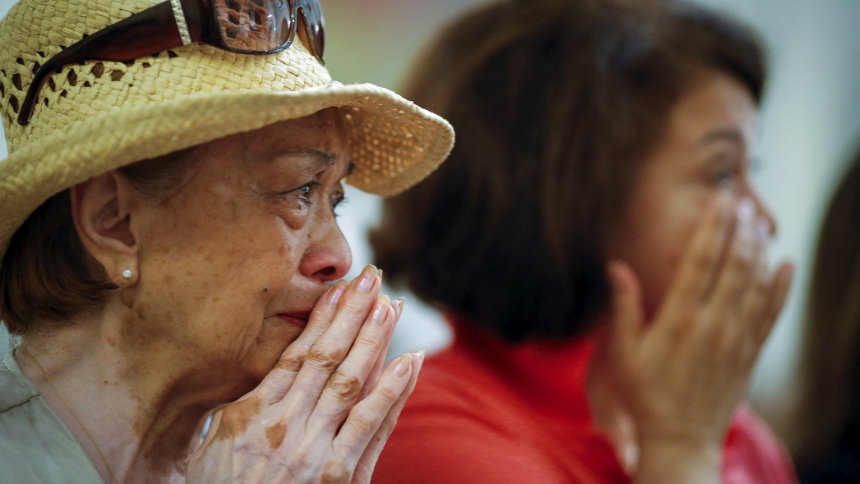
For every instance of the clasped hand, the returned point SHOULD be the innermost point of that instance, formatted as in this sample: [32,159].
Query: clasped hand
[325,411]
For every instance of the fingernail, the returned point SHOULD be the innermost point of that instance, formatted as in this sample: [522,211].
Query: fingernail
[397,305]
[403,365]
[746,211]
[379,273]
[336,293]
[380,310]
[421,355]
[365,282]
[400,302]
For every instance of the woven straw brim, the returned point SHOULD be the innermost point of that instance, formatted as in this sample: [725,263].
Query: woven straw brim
[37,171]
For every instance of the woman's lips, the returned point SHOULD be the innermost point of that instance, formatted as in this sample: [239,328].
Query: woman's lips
[300,321]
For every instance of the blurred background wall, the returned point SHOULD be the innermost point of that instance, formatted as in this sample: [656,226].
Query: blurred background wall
[810,125]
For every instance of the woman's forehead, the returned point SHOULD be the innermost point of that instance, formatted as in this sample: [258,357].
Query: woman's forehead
[717,106]
[321,132]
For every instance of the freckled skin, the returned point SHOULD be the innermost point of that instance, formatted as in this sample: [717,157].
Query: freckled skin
[334,477]
[127,298]
[347,387]
[198,330]
[236,421]
[275,434]
[292,364]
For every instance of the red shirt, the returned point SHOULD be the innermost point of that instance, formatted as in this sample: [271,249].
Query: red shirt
[488,412]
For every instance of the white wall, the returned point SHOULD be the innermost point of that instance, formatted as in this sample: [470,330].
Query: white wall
[810,123]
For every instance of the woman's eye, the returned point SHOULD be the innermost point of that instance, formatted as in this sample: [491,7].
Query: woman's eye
[724,171]
[306,191]
[303,194]
[724,177]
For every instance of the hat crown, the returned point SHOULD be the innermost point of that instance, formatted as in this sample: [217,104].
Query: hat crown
[34,30]
[96,116]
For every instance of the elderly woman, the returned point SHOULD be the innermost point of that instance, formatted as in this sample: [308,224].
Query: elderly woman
[600,185]
[170,251]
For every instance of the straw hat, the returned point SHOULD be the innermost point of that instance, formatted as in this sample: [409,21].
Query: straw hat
[97,116]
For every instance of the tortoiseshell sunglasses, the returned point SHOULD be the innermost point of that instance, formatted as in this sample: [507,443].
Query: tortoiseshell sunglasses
[241,26]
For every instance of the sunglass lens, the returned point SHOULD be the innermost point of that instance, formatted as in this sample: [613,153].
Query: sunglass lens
[315,25]
[254,25]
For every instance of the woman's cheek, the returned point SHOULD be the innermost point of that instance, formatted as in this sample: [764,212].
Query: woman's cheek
[232,323]
[667,255]
[660,274]
[686,225]
[271,340]
[293,214]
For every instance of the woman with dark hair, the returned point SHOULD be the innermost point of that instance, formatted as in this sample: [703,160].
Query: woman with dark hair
[825,437]
[594,225]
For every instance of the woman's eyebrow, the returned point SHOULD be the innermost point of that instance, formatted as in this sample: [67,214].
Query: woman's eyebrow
[731,134]
[323,159]
[305,161]
[312,161]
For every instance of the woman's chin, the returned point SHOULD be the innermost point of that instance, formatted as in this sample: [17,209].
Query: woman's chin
[273,339]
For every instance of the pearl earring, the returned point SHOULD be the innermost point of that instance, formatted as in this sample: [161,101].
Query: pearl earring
[126,273]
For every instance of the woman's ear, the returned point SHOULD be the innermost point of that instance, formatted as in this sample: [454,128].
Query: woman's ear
[101,210]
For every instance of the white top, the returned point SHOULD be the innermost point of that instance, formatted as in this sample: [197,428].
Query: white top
[36,447]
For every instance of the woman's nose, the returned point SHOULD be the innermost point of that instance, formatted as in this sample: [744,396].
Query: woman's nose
[328,258]
[762,211]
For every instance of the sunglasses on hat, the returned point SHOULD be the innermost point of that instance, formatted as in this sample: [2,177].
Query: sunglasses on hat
[241,26]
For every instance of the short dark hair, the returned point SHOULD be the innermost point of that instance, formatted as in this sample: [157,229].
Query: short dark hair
[45,276]
[554,103]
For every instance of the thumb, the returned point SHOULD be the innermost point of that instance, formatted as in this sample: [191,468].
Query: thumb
[626,313]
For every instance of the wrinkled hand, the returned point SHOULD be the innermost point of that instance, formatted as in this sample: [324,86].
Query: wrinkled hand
[683,374]
[325,411]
